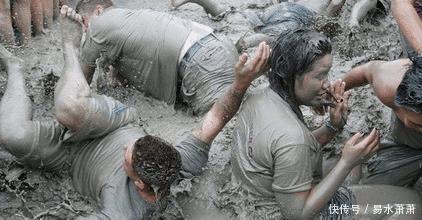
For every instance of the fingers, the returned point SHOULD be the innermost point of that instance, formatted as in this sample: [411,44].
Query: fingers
[243,58]
[368,140]
[352,141]
[258,55]
[264,57]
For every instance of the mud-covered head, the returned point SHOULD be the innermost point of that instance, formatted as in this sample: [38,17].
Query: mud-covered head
[156,162]
[409,92]
[90,8]
[295,54]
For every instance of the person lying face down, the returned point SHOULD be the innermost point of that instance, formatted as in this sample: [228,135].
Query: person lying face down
[397,84]
[112,160]
[164,56]
[278,160]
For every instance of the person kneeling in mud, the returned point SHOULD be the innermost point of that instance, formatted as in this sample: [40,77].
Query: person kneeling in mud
[166,57]
[398,85]
[113,161]
[278,160]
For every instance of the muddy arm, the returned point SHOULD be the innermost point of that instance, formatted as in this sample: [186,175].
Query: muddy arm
[409,22]
[307,204]
[227,105]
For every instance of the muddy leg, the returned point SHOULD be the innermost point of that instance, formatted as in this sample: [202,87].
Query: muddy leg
[209,6]
[6,29]
[21,15]
[48,12]
[359,11]
[318,6]
[37,16]
[15,108]
[334,7]
[56,8]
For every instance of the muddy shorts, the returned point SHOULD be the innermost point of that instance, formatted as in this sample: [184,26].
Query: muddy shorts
[395,164]
[51,146]
[206,71]
[344,197]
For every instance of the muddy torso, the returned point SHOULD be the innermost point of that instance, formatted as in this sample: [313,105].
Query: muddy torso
[143,45]
[273,149]
[403,135]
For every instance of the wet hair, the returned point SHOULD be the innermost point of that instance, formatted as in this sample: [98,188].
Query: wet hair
[293,54]
[409,92]
[156,162]
[88,6]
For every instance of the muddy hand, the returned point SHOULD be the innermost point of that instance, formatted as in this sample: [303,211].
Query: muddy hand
[339,112]
[247,70]
[356,153]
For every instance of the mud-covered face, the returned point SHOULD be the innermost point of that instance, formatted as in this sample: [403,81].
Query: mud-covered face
[410,119]
[311,88]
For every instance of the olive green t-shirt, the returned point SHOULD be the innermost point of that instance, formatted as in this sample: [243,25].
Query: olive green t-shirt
[274,151]
[400,134]
[143,45]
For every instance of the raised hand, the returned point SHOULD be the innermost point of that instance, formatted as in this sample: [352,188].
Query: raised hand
[247,70]
[355,153]
[340,98]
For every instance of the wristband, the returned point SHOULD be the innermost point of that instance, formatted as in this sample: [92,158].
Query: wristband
[331,127]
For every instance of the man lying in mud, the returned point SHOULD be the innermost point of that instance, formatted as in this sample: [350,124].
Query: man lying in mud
[397,84]
[278,159]
[113,161]
[166,57]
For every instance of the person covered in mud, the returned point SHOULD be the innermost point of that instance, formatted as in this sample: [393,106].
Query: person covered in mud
[408,15]
[113,161]
[165,57]
[398,85]
[39,13]
[278,160]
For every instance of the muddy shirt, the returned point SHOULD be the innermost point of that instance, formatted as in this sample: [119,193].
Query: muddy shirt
[97,168]
[143,45]
[403,135]
[274,152]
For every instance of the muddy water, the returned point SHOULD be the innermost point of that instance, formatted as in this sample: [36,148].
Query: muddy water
[27,194]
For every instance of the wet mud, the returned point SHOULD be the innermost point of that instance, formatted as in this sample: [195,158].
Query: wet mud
[35,194]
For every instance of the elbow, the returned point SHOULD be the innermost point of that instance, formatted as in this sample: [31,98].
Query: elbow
[70,112]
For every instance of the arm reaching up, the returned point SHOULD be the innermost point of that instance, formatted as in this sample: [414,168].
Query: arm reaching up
[409,22]
[226,106]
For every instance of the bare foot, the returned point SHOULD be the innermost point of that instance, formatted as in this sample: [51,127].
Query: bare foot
[178,3]
[70,25]
[7,59]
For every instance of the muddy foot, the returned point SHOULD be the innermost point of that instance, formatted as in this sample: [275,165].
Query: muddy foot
[70,25]
[177,3]
[7,58]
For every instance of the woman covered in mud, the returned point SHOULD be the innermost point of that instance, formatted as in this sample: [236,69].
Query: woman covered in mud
[278,160]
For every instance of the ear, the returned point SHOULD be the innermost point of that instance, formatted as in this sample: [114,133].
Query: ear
[99,9]
[140,184]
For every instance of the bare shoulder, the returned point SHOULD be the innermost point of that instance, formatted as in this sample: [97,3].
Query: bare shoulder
[386,77]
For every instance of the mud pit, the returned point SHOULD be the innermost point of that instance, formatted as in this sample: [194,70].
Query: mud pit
[28,194]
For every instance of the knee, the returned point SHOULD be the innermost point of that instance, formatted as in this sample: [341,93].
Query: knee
[69,112]
[15,137]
